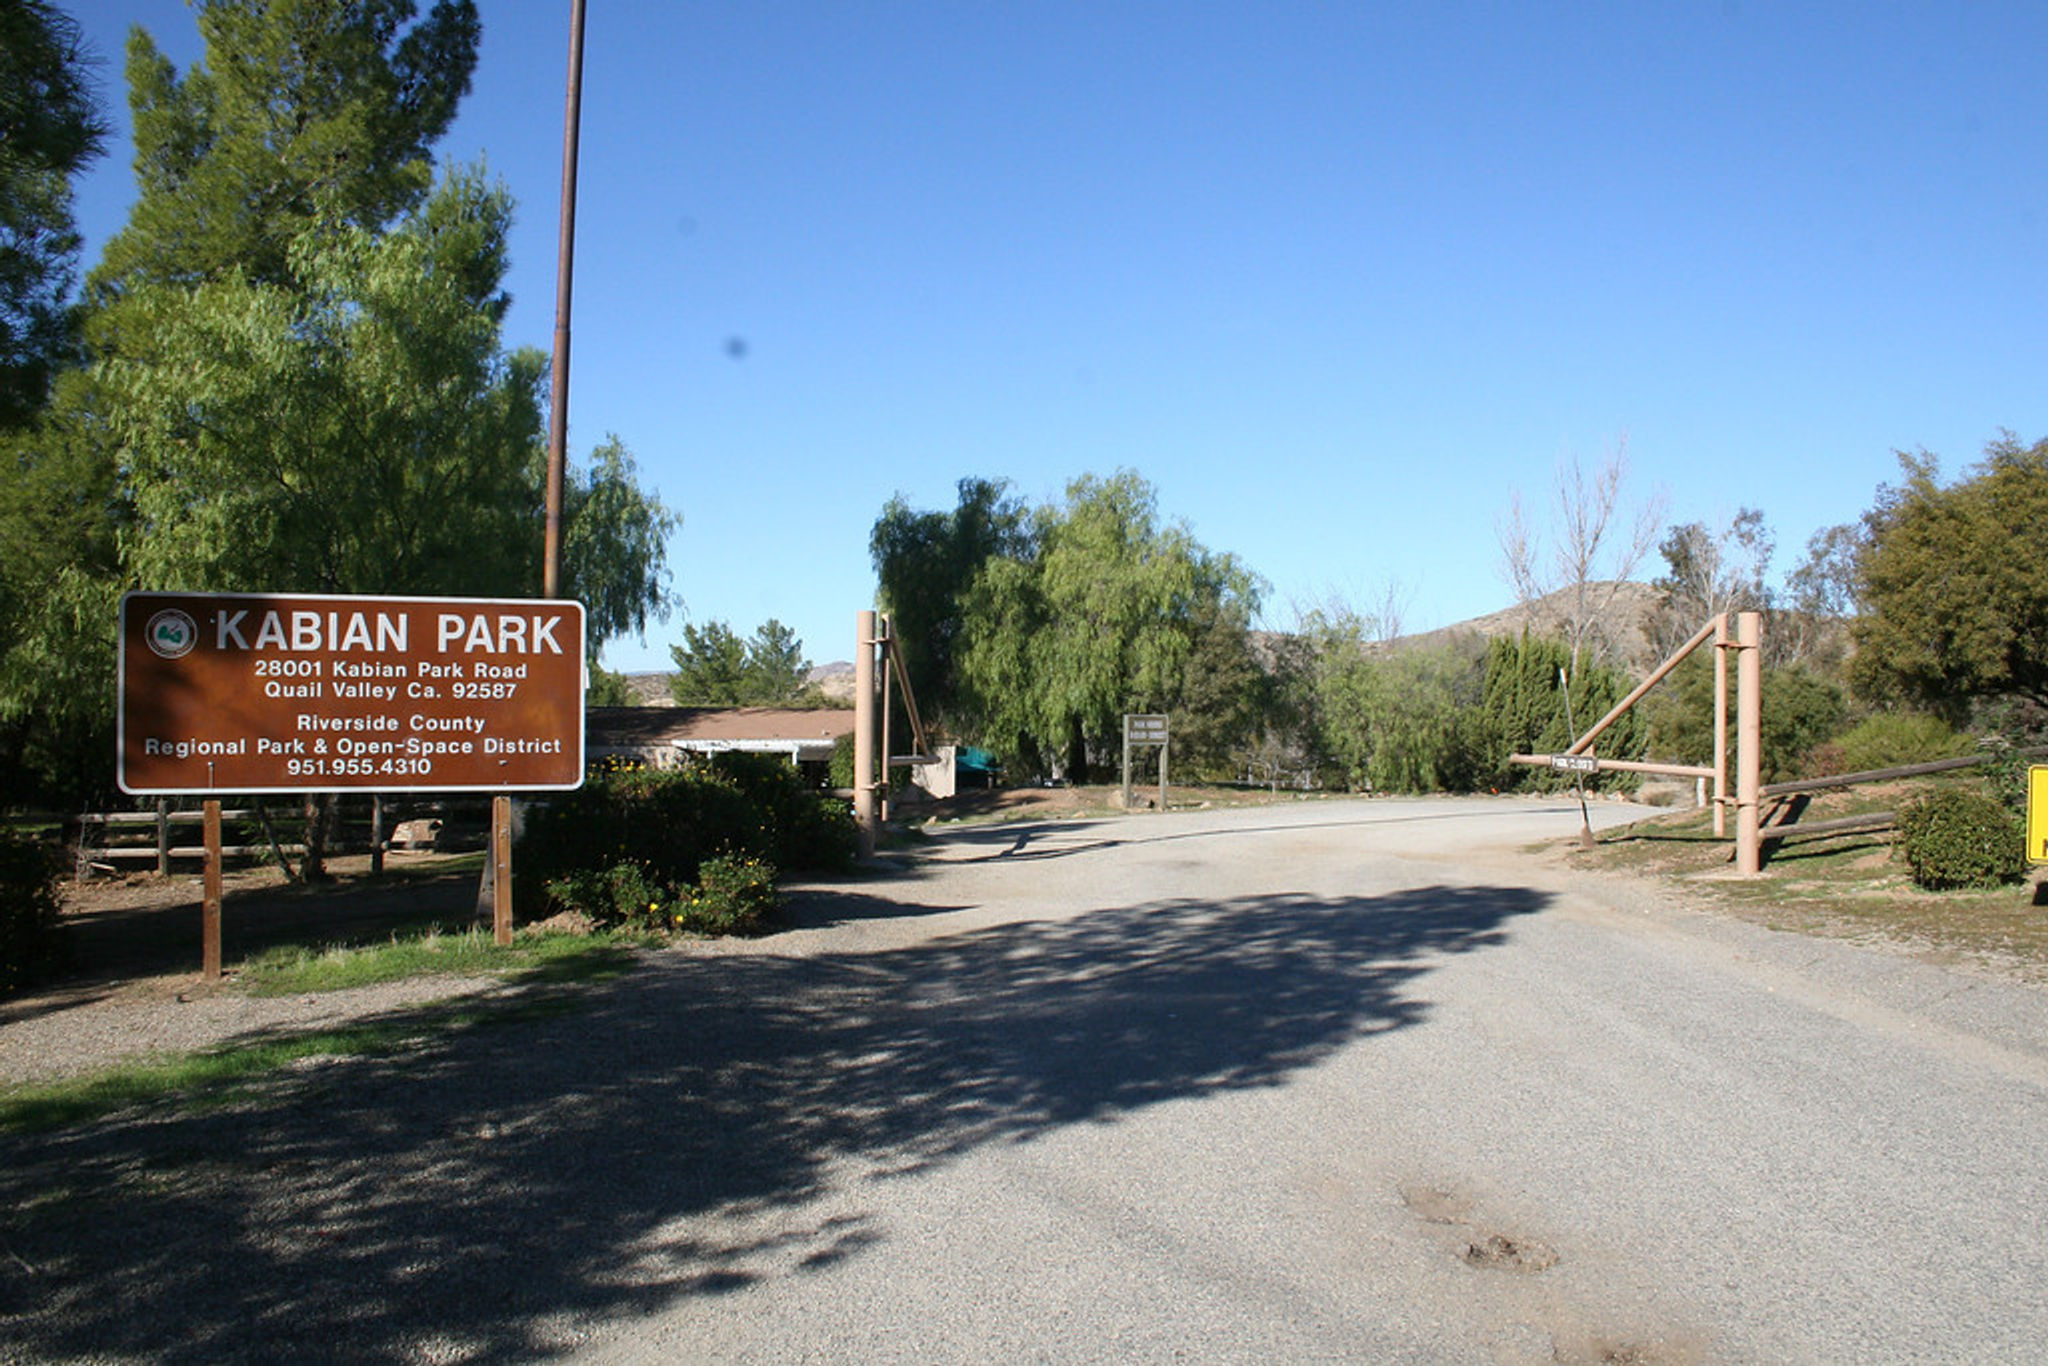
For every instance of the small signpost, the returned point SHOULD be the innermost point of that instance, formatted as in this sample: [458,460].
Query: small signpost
[1145,728]
[244,692]
[1575,763]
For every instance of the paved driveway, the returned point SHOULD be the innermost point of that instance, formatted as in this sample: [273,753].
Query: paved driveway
[1325,1082]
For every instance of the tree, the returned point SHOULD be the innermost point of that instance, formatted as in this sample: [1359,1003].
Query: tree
[607,688]
[1595,546]
[1953,584]
[49,130]
[1710,572]
[925,564]
[776,666]
[1537,697]
[61,520]
[360,432]
[1801,710]
[1225,697]
[1821,601]
[1102,620]
[299,384]
[302,114]
[711,667]
[614,543]
[715,668]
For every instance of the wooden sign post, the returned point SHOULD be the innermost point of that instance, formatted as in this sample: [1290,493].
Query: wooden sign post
[209,909]
[1145,729]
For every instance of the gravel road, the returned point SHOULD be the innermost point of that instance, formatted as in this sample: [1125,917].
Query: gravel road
[1341,1081]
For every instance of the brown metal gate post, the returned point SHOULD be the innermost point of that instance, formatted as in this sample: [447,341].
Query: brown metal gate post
[1749,674]
[864,734]
[1721,644]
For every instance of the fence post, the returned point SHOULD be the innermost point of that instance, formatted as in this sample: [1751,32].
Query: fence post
[1749,674]
[864,734]
[1721,726]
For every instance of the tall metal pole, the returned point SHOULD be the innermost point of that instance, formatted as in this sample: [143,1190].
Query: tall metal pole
[1749,670]
[565,257]
[1722,644]
[864,732]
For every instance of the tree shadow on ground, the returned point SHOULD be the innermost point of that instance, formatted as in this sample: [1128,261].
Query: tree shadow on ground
[701,1124]
[161,936]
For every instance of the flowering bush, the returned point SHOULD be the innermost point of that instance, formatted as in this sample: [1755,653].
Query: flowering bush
[733,896]
[624,895]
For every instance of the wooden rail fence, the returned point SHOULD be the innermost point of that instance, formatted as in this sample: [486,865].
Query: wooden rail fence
[109,841]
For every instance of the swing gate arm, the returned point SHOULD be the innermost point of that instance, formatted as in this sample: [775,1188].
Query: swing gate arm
[1746,643]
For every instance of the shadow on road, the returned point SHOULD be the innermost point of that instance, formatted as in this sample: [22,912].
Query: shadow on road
[698,1125]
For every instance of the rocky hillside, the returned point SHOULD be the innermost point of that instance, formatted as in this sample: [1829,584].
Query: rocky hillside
[1628,620]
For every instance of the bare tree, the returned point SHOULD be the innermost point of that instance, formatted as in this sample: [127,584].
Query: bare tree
[1592,548]
[1709,572]
[1379,622]
[1821,596]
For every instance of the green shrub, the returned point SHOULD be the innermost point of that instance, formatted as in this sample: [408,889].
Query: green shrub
[733,896]
[29,942]
[664,822]
[632,835]
[793,825]
[1954,837]
[1894,739]
[624,895]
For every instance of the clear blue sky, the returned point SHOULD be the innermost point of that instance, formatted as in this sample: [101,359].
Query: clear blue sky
[1334,277]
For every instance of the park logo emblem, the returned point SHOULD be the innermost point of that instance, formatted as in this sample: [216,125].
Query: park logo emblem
[171,634]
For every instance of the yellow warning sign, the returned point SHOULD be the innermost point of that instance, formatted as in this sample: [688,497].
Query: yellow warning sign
[2037,814]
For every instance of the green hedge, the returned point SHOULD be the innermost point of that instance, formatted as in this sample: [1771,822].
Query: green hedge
[633,844]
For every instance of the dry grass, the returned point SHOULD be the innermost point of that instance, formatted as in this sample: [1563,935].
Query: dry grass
[1847,886]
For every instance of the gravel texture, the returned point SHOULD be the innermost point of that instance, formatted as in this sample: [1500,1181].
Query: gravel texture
[66,1034]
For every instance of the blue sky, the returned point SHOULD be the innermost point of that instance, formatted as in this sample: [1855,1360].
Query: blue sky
[1336,278]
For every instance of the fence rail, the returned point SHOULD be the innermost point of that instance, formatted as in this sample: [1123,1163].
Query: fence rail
[109,839]
[1791,828]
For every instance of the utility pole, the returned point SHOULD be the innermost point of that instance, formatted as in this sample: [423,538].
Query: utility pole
[565,259]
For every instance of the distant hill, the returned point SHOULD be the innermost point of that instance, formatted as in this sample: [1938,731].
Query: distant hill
[834,680]
[1630,624]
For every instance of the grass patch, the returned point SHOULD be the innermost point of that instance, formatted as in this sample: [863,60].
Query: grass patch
[235,1072]
[1846,886]
[212,1077]
[295,969]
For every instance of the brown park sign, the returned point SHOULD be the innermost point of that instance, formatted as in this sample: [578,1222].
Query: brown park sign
[241,692]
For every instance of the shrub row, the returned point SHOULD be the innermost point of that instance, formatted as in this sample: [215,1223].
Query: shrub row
[695,848]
